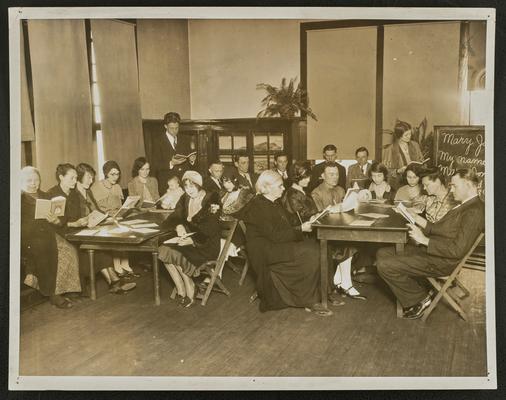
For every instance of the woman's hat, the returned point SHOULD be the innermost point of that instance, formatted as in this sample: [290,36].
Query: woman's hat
[193,176]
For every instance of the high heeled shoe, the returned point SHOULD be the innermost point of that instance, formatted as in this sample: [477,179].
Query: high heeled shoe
[350,295]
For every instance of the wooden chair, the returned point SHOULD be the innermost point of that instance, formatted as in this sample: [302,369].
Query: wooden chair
[213,268]
[441,285]
[243,255]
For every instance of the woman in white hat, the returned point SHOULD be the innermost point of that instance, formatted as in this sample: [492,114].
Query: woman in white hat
[198,233]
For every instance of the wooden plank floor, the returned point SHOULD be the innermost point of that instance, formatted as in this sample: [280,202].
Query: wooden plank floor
[128,335]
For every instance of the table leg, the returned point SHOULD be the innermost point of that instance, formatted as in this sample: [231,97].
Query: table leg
[399,248]
[156,278]
[324,267]
[93,287]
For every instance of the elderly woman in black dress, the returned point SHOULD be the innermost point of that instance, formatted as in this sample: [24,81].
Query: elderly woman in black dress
[193,214]
[51,262]
[286,263]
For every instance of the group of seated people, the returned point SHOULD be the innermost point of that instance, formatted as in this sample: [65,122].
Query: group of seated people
[278,207]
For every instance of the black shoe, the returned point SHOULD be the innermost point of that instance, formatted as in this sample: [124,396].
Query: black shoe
[417,310]
[352,296]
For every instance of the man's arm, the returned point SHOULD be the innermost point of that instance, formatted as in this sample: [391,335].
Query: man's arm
[471,225]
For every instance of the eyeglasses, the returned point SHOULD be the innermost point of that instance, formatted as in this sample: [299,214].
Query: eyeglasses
[114,173]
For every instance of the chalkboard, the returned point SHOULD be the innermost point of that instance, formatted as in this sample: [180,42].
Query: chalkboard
[459,147]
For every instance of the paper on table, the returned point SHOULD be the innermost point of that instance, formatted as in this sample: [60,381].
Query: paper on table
[374,215]
[148,225]
[145,230]
[87,232]
[350,201]
[363,222]
[119,229]
[134,222]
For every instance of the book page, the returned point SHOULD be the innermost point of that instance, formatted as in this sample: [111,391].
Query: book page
[42,208]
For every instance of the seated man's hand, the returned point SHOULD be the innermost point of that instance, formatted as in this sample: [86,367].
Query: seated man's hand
[336,208]
[417,235]
[180,230]
[306,227]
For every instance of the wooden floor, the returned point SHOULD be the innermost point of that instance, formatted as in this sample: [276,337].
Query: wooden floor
[128,335]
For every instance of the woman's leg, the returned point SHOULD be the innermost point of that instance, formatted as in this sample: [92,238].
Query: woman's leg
[176,277]
[125,264]
[189,286]
[344,270]
[117,265]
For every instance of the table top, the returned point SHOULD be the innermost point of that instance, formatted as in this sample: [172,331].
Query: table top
[110,233]
[394,221]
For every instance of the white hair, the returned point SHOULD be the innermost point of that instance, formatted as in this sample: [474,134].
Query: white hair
[265,180]
[25,171]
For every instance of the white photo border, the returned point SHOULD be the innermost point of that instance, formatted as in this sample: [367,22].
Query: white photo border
[17,382]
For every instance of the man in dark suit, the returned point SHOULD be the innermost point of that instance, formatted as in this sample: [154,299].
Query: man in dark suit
[359,173]
[166,146]
[281,167]
[246,179]
[330,156]
[441,246]
[212,182]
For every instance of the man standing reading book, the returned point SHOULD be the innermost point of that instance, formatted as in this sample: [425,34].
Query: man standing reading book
[440,246]
[170,152]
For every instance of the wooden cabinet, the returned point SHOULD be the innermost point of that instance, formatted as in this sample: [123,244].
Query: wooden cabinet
[258,138]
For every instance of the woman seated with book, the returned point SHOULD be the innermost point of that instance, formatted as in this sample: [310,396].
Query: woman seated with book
[380,188]
[80,204]
[295,200]
[285,262]
[109,198]
[411,192]
[198,237]
[51,262]
[439,200]
[142,184]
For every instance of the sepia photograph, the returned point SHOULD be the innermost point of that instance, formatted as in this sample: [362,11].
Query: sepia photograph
[251,198]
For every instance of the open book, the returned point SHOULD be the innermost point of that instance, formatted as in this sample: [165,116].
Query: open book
[129,203]
[95,218]
[55,206]
[176,239]
[320,214]
[420,162]
[183,157]
[401,209]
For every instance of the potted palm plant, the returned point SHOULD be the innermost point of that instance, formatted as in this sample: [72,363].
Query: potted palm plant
[285,101]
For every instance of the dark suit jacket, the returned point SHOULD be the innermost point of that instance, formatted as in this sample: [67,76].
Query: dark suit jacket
[211,186]
[317,172]
[452,236]
[163,153]
[355,174]
[243,182]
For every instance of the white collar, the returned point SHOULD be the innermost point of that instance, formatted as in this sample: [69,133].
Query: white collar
[171,138]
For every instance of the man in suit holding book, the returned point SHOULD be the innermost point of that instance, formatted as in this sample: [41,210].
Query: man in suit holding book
[440,246]
[170,152]
[359,173]
[330,156]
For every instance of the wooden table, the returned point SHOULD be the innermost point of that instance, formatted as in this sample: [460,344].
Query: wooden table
[337,227]
[128,241]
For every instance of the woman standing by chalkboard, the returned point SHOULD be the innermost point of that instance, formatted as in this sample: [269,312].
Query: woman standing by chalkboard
[401,153]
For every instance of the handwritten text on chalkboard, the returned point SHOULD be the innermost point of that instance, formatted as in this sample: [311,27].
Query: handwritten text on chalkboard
[460,147]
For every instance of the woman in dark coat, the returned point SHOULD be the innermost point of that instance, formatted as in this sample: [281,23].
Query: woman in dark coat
[193,214]
[295,200]
[286,263]
[51,266]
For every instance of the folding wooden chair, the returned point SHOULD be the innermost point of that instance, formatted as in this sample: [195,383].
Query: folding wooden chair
[213,268]
[441,285]
[243,255]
